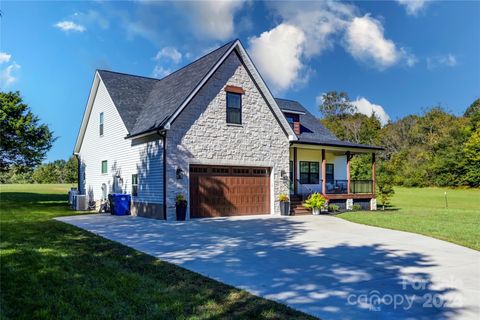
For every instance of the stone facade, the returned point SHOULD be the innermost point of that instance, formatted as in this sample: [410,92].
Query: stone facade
[200,135]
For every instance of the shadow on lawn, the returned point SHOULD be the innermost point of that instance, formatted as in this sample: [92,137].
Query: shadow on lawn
[268,257]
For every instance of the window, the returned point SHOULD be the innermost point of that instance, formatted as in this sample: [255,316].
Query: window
[134,185]
[104,167]
[291,119]
[329,170]
[101,123]
[309,172]
[234,108]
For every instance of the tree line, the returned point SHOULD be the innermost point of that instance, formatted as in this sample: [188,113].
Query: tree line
[433,148]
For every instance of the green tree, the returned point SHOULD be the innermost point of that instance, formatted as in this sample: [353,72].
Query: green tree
[24,142]
[335,104]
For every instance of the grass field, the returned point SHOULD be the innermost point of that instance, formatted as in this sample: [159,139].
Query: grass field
[423,211]
[51,270]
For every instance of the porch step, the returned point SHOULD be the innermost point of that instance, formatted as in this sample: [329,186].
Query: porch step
[297,208]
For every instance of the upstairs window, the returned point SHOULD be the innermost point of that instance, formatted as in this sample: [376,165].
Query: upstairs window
[101,123]
[234,108]
[134,185]
[104,167]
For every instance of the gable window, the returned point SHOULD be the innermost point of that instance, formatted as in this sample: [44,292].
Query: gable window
[104,167]
[134,185]
[309,172]
[291,119]
[234,108]
[329,172]
[101,123]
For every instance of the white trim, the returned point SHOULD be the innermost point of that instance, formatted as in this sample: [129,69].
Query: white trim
[293,111]
[352,150]
[86,116]
[258,79]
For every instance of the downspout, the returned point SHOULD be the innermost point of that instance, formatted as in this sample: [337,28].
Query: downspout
[164,175]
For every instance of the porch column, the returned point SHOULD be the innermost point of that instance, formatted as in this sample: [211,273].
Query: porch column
[324,173]
[348,171]
[295,186]
[373,172]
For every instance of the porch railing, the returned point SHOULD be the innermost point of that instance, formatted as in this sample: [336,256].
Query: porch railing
[336,187]
[361,186]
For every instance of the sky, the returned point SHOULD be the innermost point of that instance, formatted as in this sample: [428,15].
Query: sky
[392,57]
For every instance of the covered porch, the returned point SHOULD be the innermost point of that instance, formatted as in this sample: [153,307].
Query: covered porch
[326,169]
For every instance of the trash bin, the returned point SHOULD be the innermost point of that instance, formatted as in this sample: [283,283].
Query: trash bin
[119,204]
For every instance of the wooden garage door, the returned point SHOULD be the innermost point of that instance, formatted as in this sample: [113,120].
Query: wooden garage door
[217,191]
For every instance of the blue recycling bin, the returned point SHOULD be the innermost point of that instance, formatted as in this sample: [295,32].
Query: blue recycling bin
[119,204]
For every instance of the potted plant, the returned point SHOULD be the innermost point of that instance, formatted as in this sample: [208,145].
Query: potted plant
[315,202]
[284,204]
[180,207]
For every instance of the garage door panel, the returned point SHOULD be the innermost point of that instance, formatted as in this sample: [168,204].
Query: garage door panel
[226,191]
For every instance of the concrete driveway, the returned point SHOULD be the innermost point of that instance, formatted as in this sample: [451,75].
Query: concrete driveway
[321,265]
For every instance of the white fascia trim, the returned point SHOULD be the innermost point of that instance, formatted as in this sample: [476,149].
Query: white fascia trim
[263,86]
[293,111]
[257,78]
[200,85]
[86,116]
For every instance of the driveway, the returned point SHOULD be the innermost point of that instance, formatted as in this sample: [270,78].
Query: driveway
[321,265]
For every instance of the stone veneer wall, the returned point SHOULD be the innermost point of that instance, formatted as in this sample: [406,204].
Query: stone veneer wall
[201,135]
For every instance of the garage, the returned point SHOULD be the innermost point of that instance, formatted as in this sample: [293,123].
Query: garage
[219,191]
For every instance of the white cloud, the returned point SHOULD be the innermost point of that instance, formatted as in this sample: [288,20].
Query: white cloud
[365,41]
[90,18]
[323,24]
[160,72]
[7,76]
[413,7]
[4,57]
[67,26]
[214,19]
[170,53]
[366,107]
[277,54]
[447,60]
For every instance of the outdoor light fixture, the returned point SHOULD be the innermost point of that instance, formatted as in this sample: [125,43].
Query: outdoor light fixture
[179,173]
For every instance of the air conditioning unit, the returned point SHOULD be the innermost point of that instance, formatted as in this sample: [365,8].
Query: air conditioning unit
[71,194]
[80,201]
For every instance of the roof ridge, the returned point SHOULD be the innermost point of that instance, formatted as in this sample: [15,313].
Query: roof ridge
[199,58]
[129,74]
[168,75]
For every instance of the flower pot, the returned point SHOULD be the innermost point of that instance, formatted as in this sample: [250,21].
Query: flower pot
[316,211]
[181,210]
[285,208]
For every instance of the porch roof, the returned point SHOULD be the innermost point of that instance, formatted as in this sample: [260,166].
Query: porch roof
[314,133]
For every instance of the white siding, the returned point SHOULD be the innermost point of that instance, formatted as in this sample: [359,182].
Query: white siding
[125,157]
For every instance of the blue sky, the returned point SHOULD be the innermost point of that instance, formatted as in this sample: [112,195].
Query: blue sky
[393,57]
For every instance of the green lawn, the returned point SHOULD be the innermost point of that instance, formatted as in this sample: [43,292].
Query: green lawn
[51,270]
[422,210]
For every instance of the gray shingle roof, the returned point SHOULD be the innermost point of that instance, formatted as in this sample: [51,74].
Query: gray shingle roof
[313,131]
[146,103]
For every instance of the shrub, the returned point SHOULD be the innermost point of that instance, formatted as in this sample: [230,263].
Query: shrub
[180,198]
[283,198]
[315,200]
[333,208]
[356,207]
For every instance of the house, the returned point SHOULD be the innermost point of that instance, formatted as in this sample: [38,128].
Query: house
[213,132]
